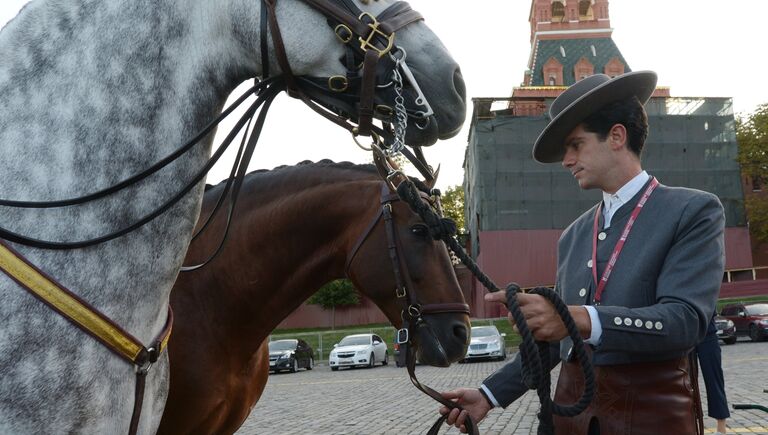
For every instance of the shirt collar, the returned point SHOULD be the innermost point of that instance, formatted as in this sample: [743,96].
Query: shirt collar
[627,191]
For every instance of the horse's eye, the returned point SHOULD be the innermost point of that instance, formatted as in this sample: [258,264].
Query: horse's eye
[420,230]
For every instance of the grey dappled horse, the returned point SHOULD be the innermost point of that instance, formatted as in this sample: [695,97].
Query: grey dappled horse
[93,92]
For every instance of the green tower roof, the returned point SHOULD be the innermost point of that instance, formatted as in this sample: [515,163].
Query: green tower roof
[574,49]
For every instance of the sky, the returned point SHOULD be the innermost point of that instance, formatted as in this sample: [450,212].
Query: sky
[699,48]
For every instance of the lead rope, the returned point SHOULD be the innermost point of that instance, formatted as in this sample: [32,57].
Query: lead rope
[534,354]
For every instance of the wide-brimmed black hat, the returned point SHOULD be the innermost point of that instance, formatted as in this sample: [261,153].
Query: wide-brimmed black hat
[582,99]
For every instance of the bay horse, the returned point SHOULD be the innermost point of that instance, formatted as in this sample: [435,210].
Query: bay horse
[94,92]
[296,229]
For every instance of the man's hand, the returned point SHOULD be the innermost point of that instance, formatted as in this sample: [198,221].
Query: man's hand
[542,318]
[474,403]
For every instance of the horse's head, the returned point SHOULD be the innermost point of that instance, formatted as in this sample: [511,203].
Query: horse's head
[327,53]
[399,266]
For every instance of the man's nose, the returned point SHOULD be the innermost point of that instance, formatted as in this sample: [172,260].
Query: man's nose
[568,158]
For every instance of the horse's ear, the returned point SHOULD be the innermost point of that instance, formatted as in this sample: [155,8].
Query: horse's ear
[431,183]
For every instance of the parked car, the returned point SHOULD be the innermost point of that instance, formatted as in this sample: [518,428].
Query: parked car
[290,355]
[396,354]
[358,350]
[486,343]
[749,319]
[726,330]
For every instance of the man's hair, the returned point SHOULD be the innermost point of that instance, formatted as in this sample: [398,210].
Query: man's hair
[629,113]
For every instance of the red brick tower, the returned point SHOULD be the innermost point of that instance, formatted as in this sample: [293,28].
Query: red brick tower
[570,40]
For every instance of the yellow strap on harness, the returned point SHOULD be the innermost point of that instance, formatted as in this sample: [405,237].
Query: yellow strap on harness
[71,307]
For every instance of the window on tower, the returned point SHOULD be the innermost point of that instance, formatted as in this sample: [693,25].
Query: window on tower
[558,11]
[585,10]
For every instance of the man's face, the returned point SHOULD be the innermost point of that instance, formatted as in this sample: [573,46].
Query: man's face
[587,157]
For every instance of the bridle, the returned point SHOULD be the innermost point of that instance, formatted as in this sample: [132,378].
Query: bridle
[370,44]
[376,37]
[405,290]
[413,311]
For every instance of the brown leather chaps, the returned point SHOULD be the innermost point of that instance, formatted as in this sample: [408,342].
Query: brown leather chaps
[652,398]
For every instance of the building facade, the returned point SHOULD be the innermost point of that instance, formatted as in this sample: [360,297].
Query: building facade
[516,208]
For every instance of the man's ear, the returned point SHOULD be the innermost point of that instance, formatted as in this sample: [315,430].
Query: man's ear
[617,136]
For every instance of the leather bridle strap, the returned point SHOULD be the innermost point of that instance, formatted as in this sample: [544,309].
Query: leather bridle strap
[412,312]
[89,320]
[392,19]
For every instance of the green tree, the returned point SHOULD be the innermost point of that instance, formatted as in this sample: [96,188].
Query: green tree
[752,134]
[336,293]
[453,206]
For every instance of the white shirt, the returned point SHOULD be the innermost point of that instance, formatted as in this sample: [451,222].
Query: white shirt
[611,203]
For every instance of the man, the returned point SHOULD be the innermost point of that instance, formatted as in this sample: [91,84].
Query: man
[642,312]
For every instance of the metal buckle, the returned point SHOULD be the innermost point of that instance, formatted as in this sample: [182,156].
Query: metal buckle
[414,311]
[348,33]
[367,42]
[152,355]
[398,290]
[402,336]
[375,137]
[338,83]
[385,110]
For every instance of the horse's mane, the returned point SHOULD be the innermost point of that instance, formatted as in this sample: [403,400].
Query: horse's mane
[322,165]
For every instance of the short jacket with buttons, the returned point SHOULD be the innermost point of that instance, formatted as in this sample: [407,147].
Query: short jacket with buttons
[662,291]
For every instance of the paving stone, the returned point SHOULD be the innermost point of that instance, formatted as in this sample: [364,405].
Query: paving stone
[383,401]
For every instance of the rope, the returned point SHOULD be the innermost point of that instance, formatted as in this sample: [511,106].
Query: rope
[534,354]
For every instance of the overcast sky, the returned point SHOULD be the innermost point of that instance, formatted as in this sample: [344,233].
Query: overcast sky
[698,47]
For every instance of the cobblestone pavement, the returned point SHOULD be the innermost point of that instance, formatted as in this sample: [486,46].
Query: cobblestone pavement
[383,401]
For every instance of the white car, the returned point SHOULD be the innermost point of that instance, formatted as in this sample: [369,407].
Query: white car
[358,350]
[486,342]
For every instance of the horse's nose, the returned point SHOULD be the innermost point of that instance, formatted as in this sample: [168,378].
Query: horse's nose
[458,84]
[460,332]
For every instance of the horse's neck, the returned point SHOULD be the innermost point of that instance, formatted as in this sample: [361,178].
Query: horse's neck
[86,82]
[302,241]
[95,91]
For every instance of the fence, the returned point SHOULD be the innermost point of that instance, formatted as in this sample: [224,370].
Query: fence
[322,341]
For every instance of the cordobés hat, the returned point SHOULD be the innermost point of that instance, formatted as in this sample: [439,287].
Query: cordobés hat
[581,100]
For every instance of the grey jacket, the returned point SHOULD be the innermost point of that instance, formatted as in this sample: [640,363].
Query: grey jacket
[661,294]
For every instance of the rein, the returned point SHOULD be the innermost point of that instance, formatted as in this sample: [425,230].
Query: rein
[413,311]
[376,38]
[534,354]
[266,92]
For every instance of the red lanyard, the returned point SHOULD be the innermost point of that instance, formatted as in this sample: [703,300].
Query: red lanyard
[619,244]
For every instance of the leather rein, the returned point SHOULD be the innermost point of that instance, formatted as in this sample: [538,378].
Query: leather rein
[413,311]
[376,38]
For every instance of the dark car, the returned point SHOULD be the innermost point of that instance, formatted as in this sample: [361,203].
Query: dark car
[726,330]
[749,319]
[290,355]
